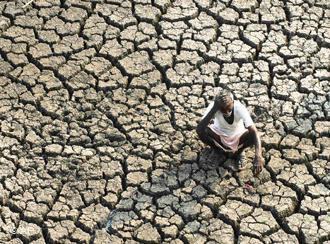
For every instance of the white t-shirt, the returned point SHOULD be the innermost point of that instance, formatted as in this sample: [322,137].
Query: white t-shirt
[242,119]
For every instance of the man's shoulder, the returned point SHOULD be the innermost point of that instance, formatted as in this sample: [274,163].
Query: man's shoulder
[241,109]
[238,104]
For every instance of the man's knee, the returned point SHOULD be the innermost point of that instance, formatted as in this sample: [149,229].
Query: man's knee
[247,139]
[203,136]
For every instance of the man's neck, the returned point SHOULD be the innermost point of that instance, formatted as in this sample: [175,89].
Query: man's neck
[230,119]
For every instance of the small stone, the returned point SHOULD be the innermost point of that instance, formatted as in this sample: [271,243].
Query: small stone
[54,149]
[137,63]
[136,163]
[93,216]
[245,5]
[305,225]
[290,141]
[316,205]
[258,223]
[235,210]
[170,231]
[248,240]
[101,236]
[281,237]
[147,233]
[136,178]
[277,164]
[28,231]
[298,176]
[293,155]
[322,128]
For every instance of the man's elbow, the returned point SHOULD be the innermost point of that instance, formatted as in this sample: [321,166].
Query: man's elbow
[199,130]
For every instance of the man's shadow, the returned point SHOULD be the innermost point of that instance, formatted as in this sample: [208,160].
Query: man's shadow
[183,189]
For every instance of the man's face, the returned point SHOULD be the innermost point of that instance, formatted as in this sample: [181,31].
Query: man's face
[227,107]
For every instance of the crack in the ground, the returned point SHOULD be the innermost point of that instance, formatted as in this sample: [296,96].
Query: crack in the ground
[176,29]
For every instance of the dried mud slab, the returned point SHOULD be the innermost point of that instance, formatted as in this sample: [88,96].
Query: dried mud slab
[99,102]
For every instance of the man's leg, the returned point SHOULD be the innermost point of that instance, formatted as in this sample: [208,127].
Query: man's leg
[246,140]
[208,136]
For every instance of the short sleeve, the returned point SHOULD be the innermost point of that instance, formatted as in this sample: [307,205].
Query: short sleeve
[208,109]
[245,115]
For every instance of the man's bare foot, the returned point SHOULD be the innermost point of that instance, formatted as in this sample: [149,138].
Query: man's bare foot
[240,160]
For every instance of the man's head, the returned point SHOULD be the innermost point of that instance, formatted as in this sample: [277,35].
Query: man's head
[225,100]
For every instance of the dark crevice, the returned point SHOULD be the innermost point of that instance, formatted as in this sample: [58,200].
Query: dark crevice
[173,120]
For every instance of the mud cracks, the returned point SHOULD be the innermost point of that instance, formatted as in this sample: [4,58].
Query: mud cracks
[99,101]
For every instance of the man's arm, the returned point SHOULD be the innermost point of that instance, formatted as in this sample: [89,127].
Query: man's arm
[201,127]
[258,160]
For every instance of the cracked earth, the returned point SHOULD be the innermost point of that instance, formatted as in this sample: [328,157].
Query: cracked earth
[99,101]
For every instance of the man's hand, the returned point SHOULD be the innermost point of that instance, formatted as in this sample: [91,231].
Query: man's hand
[258,161]
[258,164]
[217,103]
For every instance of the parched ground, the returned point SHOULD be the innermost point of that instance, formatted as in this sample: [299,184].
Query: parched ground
[99,101]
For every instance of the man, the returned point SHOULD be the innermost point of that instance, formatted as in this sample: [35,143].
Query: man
[232,129]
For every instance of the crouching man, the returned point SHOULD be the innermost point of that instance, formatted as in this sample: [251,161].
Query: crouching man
[232,129]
